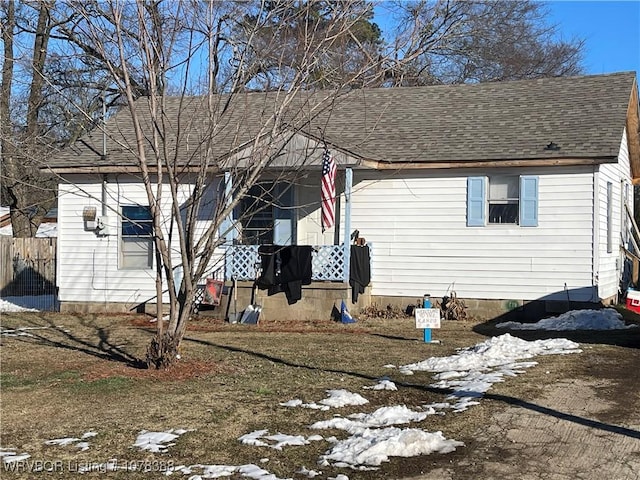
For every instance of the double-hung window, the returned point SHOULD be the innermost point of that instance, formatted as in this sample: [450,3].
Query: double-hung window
[502,199]
[136,242]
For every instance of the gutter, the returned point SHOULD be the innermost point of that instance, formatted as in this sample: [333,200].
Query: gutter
[524,162]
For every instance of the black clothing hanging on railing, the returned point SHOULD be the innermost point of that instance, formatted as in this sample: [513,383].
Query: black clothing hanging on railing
[359,270]
[285,269]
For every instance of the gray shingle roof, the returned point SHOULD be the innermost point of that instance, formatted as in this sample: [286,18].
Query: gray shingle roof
[585,116]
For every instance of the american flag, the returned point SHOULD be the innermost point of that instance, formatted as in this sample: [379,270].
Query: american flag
[328,193]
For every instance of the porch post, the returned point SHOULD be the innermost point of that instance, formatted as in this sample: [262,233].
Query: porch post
[348,181]
[226,226]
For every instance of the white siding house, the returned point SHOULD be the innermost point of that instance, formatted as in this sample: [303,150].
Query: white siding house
[455,188]
[91,268]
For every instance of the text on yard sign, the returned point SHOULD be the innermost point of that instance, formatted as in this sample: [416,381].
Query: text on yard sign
[427,317]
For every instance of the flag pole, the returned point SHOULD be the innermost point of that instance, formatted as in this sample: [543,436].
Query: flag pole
[348,181]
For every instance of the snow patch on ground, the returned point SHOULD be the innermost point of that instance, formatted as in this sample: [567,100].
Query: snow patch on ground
[372,447]
[28,303]
[605,319]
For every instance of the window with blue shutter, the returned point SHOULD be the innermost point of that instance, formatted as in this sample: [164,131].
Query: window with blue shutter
[476,201]
[529,201]
[507,199]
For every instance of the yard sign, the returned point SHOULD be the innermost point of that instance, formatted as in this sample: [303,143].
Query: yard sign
[427,318]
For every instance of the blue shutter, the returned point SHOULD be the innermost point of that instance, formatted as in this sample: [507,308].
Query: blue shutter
[476,201]
[528,201]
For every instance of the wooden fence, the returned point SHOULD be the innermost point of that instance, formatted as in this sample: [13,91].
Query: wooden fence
[27,266]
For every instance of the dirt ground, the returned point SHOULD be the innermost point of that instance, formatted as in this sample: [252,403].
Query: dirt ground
[585,425]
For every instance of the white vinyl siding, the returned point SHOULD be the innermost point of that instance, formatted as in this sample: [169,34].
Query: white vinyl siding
[88,264]
[417,227]
[610,261]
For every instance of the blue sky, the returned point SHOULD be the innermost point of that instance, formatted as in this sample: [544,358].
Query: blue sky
[611,30]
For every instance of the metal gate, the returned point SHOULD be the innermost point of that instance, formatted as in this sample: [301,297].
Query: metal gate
[28,272]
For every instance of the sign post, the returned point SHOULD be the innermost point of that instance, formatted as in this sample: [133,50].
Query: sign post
[427,318]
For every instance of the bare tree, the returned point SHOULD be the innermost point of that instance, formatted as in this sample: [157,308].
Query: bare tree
[174,136]
[54,85]
[448,41]
[279,33]
[28,193]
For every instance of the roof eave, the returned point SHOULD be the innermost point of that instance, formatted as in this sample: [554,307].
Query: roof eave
[131,169]
[518,162]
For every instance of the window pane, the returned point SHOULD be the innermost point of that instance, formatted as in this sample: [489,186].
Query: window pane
[503,213]
[136,253]
[136,212]
[504,187]
[137,229]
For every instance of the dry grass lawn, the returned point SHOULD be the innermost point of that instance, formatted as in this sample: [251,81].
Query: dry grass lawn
[80,374]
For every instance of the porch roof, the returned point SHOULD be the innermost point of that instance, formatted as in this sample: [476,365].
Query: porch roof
[501,123]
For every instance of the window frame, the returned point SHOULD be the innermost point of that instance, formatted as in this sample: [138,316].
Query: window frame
[135,230]
[478,201]
[507,200]
[266,204]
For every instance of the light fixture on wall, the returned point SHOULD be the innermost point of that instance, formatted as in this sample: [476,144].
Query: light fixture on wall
[89,217]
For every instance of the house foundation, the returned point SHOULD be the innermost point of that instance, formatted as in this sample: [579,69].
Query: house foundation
[322,301]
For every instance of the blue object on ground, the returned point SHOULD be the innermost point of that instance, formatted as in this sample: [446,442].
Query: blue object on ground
[345,315]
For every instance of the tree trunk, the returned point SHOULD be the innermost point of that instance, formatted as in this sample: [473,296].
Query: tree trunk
[164,349]
[162,352]
[24,188]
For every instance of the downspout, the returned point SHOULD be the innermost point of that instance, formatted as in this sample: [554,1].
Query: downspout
[103,199]
[104,155]
[595,267]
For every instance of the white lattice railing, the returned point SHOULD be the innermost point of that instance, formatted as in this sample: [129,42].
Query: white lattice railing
[243,262]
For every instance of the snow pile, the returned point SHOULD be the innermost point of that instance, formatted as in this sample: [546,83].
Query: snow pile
[308,473]
[216,471]
[79,443]
[472,371]
[7,307]
[384,384]
[336,399]
[372,447]
[605,319]
[157,442]
[342,398]
[260,438]
[296,402]
[382,417]
[27,303]
[10,456]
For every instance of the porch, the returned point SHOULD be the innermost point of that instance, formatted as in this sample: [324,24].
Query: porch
[329,286]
